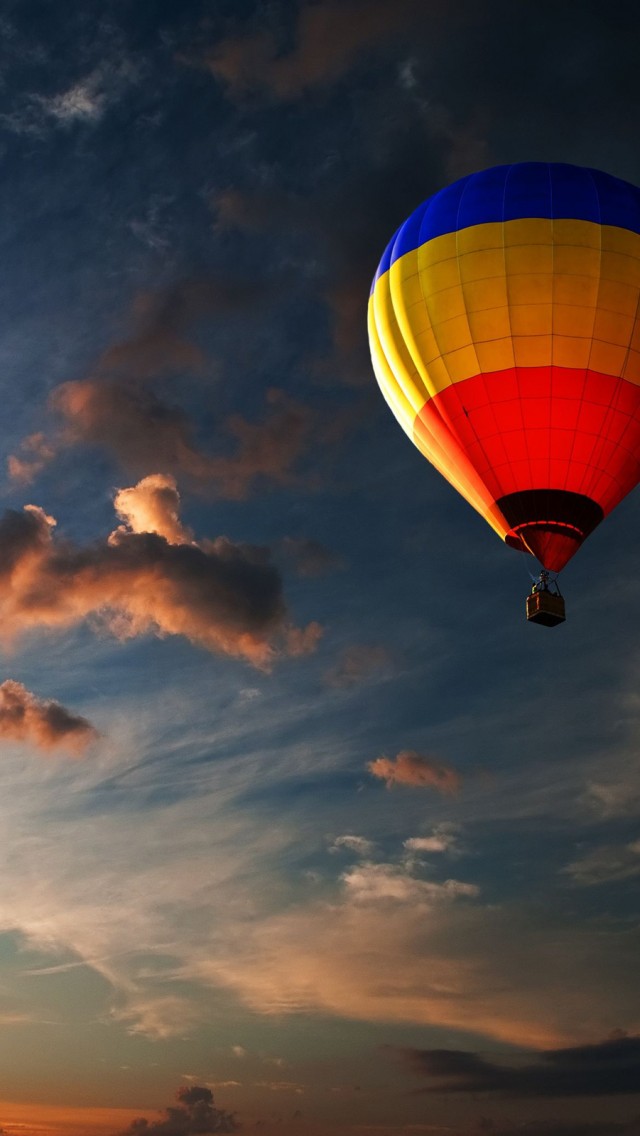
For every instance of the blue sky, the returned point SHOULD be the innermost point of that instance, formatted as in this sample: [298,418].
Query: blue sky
[202,879]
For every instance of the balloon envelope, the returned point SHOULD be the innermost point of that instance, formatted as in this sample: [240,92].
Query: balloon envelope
[505,335]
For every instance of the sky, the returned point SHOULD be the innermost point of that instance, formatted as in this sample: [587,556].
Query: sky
[303,828]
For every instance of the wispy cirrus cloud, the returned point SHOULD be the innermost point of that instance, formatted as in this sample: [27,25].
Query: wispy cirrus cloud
[359,663]
[83,102]
[393,946]
[605,864]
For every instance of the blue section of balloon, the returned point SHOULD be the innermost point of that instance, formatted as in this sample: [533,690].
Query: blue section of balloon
[506,193]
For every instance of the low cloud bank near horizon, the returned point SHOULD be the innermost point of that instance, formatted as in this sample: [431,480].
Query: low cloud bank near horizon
[195,1114]
[606,1068]
[147,577]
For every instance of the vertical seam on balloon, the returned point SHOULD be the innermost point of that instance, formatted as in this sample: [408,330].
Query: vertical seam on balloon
[515,366]
[425,300]
[402,386]
[459,480]
[396,302]
[601,441]
[586,484]
[478,372]
[438,457]
[615,393]
[380,351]
[397,339]
[438,404]
[551,360]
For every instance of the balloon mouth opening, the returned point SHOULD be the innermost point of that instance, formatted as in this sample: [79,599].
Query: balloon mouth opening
[551,542]
[551,524]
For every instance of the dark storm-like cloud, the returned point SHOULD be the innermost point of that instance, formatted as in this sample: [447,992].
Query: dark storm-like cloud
[41,722]
[194,1115]
[607,1068]
[224,596]
[557,1128]
[144,431]
[412,151]
[411,768]
[117,407]
[163,323]
[329,37]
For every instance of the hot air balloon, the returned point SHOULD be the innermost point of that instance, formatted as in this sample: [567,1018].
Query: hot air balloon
[504,325]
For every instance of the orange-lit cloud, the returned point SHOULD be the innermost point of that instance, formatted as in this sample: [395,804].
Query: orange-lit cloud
[223,596]
[153,506]
[41,722]
[411,768]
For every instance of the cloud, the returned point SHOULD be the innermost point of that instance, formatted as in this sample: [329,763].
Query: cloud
[358,844]
[394,947]
[142,431]
[85,102]
[195,1114]
[411,149]
[223,596]
[36,451]
[555,1128]
[373,882]
[357,664]
[606,1068]
[444,838]
[605,864]
[282,1086]
[153,506]
[41,722]
[117,408]
[616,798]
[330,36]
[411,768]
